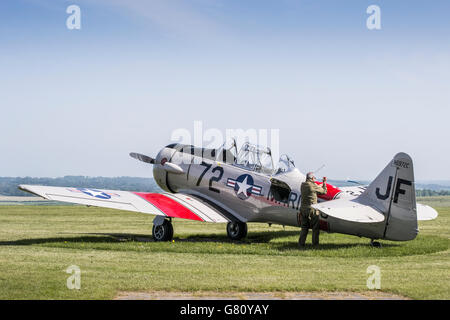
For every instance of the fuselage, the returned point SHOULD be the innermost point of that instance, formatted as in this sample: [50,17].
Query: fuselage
[248,195]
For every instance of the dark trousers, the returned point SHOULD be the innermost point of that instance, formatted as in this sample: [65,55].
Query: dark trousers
[309,219]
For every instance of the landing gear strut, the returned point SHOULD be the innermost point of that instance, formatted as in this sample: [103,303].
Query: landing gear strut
[375,244]
[162,230]
[236,230]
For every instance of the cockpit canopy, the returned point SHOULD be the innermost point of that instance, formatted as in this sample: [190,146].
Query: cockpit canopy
[255,158]
[259,159]
[251,157]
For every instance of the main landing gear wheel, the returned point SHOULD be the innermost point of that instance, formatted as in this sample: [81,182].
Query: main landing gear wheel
[236,230]
[163,232]
[375,244]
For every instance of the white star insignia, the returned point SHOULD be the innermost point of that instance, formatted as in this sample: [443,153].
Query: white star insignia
[243,186]
[95,193]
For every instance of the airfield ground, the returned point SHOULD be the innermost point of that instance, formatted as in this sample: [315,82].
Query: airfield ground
[118,259]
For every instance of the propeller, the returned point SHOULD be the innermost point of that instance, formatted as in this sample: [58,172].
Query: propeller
[142,157]
[168,166]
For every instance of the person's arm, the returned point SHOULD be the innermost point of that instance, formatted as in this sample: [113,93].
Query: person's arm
[323,188]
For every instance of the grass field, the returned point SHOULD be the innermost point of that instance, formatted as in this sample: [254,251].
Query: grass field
[115,253]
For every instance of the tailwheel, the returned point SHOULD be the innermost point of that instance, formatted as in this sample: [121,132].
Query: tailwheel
[236,230]
[163,231]
[375,244]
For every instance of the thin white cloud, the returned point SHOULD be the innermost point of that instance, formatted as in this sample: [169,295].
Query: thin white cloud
[195,19]
[174,17]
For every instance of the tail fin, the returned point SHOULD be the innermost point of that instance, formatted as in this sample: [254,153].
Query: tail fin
[393,193]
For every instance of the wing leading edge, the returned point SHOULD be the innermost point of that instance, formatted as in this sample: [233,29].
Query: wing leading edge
[176,205]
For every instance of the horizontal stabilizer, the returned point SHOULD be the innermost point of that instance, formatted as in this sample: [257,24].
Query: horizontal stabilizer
[350,210]
[425,212]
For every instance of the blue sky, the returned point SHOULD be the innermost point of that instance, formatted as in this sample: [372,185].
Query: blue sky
[78,101]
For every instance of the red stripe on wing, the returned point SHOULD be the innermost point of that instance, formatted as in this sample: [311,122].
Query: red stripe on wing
[169,206]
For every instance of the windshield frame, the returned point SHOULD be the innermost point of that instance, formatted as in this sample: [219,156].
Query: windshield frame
[286,161]
[255,158]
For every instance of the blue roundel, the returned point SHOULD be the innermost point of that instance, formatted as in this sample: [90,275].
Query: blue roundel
[243,186]
[95,193]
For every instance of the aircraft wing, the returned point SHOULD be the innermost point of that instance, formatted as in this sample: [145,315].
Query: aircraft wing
[350,210]
[176,205]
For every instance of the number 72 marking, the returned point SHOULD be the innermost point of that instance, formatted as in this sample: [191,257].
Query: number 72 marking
[207,167]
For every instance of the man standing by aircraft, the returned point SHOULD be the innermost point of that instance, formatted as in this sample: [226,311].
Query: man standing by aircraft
[309,216]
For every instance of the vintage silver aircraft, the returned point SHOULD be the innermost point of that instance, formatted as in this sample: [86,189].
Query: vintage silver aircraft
[235,187]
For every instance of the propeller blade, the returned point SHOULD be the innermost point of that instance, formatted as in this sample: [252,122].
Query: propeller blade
[168,166]
[142,157]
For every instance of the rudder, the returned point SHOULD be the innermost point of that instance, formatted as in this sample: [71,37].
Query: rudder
[393,193]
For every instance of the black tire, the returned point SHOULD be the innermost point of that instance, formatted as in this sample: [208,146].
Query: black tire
[236,230]
[163,232]
[375,244]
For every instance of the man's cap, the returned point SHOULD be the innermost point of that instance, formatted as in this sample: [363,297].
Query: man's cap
[310,175]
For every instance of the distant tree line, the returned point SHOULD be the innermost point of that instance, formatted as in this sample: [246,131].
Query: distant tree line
[8,186]
[429,193]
